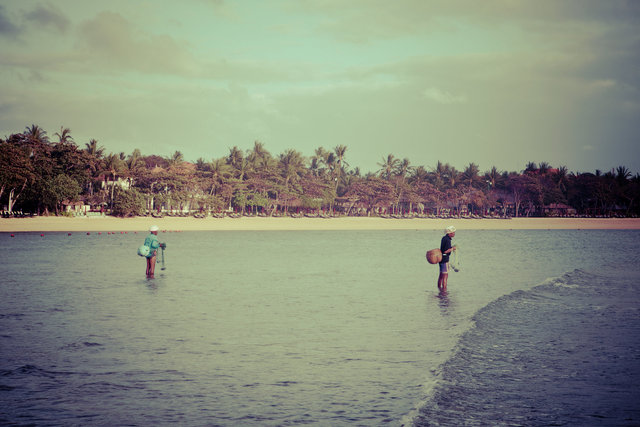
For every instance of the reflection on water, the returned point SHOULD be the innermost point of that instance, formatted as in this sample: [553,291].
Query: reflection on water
[443,297]
[152,285]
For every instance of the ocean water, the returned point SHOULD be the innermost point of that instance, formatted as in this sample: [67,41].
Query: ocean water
[322,328]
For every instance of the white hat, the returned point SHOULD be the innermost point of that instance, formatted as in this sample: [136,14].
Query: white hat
[154,228]
[450,229]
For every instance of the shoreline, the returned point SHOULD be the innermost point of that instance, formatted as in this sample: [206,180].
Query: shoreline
[84,224]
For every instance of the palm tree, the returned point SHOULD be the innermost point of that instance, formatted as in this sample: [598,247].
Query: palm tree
[471,175]
[259,157]
[560,178]
[291,164]
[544,168]
[339,150]
[438,176]
[388,166]
[113,166]
[419,174]
[93,149]
[64,136]
[622,174]
[134,161]
[175,160]
[219,174]
[531,167]
[454,176]
[404,168]
[201,164]
[331,162]
[318,159]
[235,157]
[493,178]
[95,153]
[35,133]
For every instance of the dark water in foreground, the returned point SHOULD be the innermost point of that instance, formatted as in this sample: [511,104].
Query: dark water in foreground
[564,353]
[325,328]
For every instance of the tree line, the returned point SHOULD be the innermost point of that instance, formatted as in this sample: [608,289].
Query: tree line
[38,175]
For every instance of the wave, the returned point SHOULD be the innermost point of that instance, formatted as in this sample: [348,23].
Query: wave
[529,347]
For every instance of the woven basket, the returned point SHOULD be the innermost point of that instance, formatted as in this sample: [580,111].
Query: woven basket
[434,256]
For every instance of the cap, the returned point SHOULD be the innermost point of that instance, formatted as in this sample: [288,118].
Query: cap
[450,229]
[154,228]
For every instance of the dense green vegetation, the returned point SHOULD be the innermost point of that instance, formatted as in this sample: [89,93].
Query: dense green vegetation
[41,176]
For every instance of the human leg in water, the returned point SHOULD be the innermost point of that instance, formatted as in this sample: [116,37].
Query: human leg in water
[151,266]
[443,276]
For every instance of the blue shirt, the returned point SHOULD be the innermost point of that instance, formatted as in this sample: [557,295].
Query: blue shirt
[153,243]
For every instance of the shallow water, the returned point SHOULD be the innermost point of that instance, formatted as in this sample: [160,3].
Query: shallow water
[260,328]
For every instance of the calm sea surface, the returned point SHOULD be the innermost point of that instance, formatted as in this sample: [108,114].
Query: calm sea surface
[328,328]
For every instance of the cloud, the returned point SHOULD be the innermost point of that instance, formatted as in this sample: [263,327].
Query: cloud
[443,97]
[114,41]
[49,16]
[7,27]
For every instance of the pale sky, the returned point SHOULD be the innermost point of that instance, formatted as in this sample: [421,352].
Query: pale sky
[498,83]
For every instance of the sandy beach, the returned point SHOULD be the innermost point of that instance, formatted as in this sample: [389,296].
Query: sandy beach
[83,224]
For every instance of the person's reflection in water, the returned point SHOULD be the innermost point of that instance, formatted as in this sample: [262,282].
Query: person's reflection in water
[443,297]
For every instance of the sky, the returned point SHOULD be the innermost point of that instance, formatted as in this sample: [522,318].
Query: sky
[496,83]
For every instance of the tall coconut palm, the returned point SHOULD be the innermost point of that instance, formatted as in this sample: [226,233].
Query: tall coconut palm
[388,166]
[622,174]
[494,179]
[94,149]
[331,163]
[318,160]
[438,176]
[235,157]
[560,178]
[531,167]
[404,168]
[419,174]
[175,160]
[471,175]
[453,175]
[35,134]
[95,166]
[112,166]
[134,162]
[291,164]
[339,150]
[259,158]
[64,136]
[544,167]
[444,176]
[220,172]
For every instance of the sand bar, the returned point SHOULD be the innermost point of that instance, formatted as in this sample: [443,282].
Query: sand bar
[83,224]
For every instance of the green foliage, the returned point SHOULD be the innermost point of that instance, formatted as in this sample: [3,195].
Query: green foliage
[37,174]
[128,202]
[59,189]
[239,200]
[311,203]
